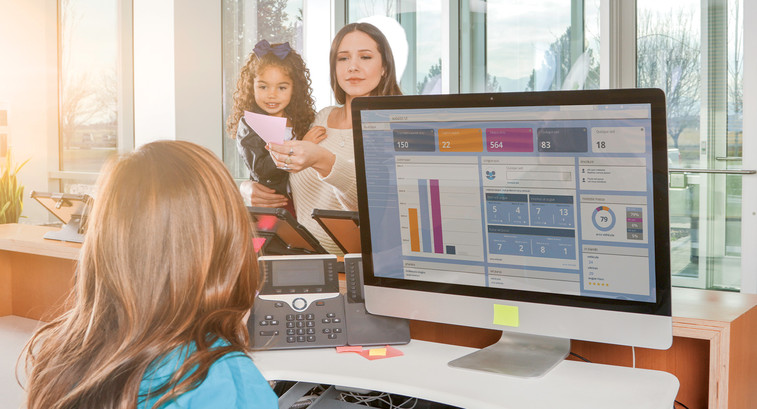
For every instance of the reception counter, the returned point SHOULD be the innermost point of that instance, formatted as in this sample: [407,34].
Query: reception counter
[36,274]
[713,353]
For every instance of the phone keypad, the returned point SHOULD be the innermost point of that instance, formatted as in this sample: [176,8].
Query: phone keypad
[280,327]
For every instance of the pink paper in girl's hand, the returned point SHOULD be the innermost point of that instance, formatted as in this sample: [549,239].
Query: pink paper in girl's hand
[271,129]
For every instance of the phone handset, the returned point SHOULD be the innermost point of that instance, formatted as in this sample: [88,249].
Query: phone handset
[365,328]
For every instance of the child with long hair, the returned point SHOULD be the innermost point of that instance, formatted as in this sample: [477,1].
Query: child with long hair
[323,174]
[274,81]
[166,275]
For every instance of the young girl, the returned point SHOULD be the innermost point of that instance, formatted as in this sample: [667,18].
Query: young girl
[274,82]
[158,305]
[323,174]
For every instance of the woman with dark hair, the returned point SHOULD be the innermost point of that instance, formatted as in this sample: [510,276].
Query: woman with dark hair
[323,174]
[157,317]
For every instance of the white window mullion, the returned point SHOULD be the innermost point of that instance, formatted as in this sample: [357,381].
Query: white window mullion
[126,77]
[749,186]
[451,47]
[317,45]
[617,44]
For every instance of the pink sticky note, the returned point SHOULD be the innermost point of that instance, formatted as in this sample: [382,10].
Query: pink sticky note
[271,128]
[258,242]
[389,352]
[349,349]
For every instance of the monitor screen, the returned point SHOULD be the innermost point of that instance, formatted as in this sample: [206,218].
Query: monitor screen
[512,210]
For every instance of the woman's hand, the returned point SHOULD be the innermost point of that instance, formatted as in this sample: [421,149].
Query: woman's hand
[295,156]
[316,134]
[261,195]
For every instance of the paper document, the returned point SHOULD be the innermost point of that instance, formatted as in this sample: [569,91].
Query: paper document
[271,128]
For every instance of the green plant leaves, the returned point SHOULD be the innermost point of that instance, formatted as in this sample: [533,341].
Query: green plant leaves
[11,194]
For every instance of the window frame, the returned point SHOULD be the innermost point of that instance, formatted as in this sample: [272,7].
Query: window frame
[618,70]
[125,129]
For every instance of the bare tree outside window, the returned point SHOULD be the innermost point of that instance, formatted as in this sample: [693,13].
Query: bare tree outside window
[563,66]
[88,84]
[735,79]
[668,57]
[273,21]
[373,7]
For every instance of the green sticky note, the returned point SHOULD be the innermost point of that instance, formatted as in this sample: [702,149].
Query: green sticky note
[506,315]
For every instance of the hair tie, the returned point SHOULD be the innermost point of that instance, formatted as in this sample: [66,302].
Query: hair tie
[263,47]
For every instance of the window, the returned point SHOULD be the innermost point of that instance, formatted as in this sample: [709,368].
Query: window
[244,24]
[508,45]
[89,89]
[416,47]
[695,55]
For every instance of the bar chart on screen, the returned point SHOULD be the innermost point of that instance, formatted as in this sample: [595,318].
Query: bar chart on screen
[440,207]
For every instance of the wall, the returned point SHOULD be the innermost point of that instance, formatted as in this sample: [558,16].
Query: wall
[28,87]
[178,86]
[154,102]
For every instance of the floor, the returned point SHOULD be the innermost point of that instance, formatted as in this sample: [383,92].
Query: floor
[14,332]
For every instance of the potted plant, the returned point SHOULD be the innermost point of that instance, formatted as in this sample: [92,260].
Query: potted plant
[11,193]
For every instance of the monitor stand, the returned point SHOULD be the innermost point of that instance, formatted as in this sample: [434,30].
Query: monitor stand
[523,355]
[70,231]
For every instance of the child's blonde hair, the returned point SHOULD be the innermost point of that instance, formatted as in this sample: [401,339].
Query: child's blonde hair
[300,111]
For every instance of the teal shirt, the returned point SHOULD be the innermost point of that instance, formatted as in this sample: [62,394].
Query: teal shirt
[233,381]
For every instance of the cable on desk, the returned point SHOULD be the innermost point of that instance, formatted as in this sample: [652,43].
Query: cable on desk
[384,400]
[633,356]
[580,357]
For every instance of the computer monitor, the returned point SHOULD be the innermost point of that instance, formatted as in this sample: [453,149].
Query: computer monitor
[544,215]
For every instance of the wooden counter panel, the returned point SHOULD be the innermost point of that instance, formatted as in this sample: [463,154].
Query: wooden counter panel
[742,376]
[6,294]
[40,285]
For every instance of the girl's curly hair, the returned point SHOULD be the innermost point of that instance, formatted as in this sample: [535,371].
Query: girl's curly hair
[300,111]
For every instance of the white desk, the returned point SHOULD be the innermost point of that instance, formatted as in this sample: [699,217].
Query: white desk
[423,373]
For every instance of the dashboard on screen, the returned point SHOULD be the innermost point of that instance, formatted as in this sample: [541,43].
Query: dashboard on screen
[554,197]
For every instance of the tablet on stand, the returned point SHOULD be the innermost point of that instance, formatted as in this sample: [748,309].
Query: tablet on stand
[343,226]
[71,209]
[281,233]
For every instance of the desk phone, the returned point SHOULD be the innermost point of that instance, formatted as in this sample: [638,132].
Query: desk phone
[299,306]
[366,328]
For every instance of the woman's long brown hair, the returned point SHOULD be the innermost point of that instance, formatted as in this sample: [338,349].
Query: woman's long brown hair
[167,262]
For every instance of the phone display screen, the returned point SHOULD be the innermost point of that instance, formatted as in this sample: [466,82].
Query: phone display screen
[297,273]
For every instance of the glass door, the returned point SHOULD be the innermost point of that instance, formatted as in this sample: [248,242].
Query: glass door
[692,50]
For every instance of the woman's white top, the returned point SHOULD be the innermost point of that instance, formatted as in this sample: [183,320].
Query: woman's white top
[336,191]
